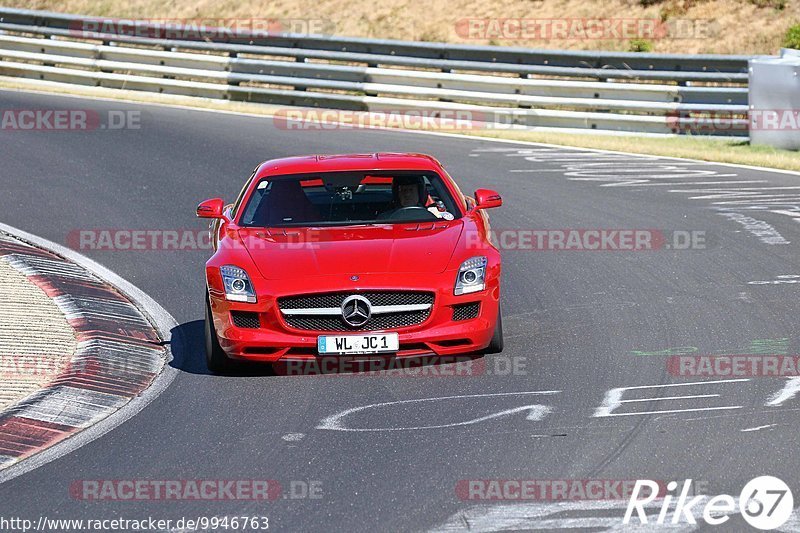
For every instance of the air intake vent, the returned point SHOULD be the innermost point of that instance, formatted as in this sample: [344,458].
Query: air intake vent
[466,311]
[245,319]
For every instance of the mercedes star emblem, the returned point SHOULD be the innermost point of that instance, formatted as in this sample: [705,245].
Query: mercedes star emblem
[356,310]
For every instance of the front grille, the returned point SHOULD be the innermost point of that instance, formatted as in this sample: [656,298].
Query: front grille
[245,319]
[466,311]
[332,323]
[394,320]
[336,299]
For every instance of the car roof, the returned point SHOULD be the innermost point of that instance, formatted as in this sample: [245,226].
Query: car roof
[344,162]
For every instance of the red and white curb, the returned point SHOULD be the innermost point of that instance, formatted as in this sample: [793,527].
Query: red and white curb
[120,355]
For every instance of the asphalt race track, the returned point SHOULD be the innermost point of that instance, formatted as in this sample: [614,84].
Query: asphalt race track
[577,324]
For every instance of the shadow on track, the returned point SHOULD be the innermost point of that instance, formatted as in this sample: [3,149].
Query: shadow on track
[188,351]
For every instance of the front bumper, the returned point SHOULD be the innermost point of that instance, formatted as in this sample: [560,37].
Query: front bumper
[276,341]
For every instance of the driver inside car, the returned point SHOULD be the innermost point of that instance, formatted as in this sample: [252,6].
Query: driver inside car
[409,192]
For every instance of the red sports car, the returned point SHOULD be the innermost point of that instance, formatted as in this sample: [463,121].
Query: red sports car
[347,255]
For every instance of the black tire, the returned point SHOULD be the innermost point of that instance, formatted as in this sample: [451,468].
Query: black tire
[216,360]
[496,344]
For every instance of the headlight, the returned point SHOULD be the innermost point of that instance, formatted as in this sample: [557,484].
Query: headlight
[237,284]
[471,276]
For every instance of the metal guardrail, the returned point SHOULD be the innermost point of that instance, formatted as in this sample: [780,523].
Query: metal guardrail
[646,93]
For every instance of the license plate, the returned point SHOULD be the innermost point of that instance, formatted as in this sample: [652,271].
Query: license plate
[357,344]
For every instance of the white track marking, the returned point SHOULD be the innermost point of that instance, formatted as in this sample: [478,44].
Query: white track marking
[619,170]
[673,411]
[537,171]
[637,387]
[758,428]
[578,156]
[783,279]
[763,231]
[735,190]
[670,398]
[642,164]
[614,169]
[164,323]
[794,214]
[613,398]
[699,183]
[789,390]
[535,412]
[757,198]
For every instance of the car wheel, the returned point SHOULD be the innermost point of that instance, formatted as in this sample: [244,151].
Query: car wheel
[496,344]
[216,360]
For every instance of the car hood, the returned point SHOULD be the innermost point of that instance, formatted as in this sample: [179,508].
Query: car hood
[282,253]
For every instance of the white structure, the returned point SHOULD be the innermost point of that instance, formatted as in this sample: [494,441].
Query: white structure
[775,100]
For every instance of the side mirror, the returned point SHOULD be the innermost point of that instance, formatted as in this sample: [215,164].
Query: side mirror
[486,199]
[211,208]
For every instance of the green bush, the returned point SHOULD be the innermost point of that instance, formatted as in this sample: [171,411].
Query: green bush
[640,45]
[792,37]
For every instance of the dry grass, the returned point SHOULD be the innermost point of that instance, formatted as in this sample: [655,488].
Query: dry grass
[720,26]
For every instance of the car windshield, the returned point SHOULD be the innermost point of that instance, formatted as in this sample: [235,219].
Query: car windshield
[347,198]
